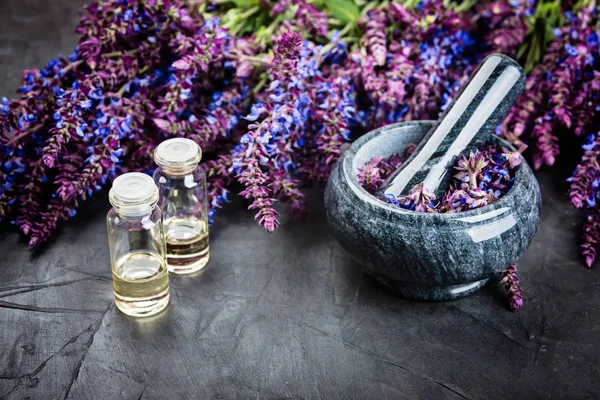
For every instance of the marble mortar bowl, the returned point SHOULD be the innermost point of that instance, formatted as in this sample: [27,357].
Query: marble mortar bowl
[423,256]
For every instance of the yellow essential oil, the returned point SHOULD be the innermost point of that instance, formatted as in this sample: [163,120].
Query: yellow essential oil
[141,284]
[188,249]
[183,201]
[137,246]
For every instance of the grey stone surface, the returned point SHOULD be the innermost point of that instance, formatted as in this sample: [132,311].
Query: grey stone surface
[421,255]
[287,315]
[469,121]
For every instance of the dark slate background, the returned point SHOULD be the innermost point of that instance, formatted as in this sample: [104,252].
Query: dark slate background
[286,315]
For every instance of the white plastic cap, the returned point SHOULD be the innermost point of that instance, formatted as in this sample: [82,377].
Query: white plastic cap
[133,194]
[178,155]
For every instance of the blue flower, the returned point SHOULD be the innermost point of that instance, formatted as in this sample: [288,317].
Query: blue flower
[185,94]
[277,96]
[114,157]
[255,112]
[572,51]
[591,202]
[308,68]
[211,24]
[95,94]
[590,143]
[101,118]
[73,56]
[557,32]
[210,119]
[589,59]
[232,123]
[245,139]
[128,14]
[58,92]
[80,129]
[86,104]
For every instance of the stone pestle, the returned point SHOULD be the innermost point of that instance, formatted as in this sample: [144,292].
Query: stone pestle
[468,122]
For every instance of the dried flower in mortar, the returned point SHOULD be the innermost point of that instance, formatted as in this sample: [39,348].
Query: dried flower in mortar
[376,170]
[482,177]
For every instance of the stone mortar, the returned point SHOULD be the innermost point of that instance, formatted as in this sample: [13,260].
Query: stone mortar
[427,256]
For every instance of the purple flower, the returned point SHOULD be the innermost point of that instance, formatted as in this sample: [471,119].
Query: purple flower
[482,178]
[375,37]
[513,287]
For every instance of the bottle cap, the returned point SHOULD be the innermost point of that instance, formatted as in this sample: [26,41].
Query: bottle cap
[178,155]
[133,194]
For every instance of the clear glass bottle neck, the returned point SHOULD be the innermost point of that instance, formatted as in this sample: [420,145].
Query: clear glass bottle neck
[178,171]
[136,212]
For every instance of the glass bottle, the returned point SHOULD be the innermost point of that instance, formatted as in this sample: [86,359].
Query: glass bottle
[137,246]
[182,187]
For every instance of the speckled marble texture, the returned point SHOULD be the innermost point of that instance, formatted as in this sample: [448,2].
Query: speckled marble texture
[427,256]
[468,121]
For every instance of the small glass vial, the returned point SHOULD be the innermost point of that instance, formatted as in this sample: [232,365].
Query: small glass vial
[182,187]
[137,246]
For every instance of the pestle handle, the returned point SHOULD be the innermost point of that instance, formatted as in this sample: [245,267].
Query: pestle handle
[469,120]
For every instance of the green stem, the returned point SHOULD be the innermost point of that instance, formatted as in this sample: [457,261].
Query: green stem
[250,58]
[371,5]
[119,53]
[260,85]
[274,24]
[248,13]
[349,26]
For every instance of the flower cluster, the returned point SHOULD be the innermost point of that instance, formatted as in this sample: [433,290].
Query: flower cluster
[414,74]
[142,71]
[512,286]
[375,171]
[482,178]
[562,100]
[562,92]
[296,130]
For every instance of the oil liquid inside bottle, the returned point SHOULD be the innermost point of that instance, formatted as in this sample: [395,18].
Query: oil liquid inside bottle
[187,244]
[141,283]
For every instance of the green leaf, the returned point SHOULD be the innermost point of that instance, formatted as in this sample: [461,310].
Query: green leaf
[343,10]
[245,3]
